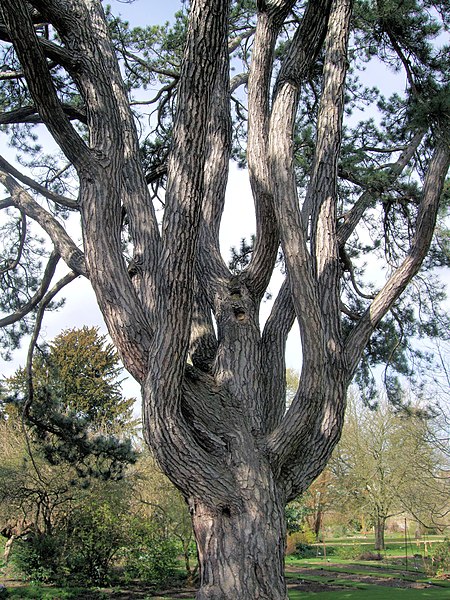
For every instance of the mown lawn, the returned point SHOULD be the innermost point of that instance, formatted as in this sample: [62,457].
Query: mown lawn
[307,578]
[374,593]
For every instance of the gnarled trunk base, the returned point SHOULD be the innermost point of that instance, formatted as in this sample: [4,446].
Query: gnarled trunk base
[241,555]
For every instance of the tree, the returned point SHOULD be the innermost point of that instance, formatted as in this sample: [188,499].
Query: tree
[218,424]
[63,441]
[384,465]
[81,370]
[72,405]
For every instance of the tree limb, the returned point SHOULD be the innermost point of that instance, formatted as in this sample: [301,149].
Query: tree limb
[420,244]
[29,114]
[17,18]
[65,246]
[62,200]
[34,301]
[349,221]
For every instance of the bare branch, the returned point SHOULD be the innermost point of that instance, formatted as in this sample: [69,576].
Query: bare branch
[62,200]
[65,246]
[36,331]
[34,301]
[12,264]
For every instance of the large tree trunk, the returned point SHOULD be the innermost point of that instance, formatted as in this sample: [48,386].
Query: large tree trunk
[219,426]
[241,554]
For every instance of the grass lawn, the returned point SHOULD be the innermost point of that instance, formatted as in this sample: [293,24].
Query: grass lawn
[316,578]
[374,593]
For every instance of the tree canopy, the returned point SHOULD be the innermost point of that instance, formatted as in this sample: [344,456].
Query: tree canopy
[386,465]
[72,407]
[343,177]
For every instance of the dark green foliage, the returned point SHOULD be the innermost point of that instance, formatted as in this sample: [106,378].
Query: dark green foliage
[296,512]
[37,557]
[151,555]
[76,411]
[94,535]
[305,551]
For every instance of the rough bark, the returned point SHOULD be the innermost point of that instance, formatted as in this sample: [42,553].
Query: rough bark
[218,426]
[241,553]
[379,527]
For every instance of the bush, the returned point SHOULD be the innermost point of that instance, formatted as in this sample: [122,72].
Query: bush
[440,556]
[305,537]
[151,555]
[350,552]
[82,549]
[305,551]
[95,534]
[37,558]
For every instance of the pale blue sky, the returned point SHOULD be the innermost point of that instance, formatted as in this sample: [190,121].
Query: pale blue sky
[81,307]
[146,12]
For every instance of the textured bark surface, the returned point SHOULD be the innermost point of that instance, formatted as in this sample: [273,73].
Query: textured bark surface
[188,330]
[379,526]
[241,552]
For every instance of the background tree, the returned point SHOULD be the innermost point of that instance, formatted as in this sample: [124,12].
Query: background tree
[330,196]
[82,370]
[56,447]
[384,465]
[72,403]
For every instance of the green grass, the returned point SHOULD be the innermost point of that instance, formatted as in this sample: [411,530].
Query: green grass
[374,593]
[40,592]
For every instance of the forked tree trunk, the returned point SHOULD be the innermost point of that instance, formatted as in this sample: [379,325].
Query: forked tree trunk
[241,555]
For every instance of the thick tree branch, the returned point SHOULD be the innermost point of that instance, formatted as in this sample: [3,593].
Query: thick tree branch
[203,342]
[420,244]
[62,200]
[293,235]
[273,360]
[112,179]
[30,114]
[202,63]
[211,268]
[64,245]
[322,189]
[17,18]
[316,396]
[267,237]
[56,53]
